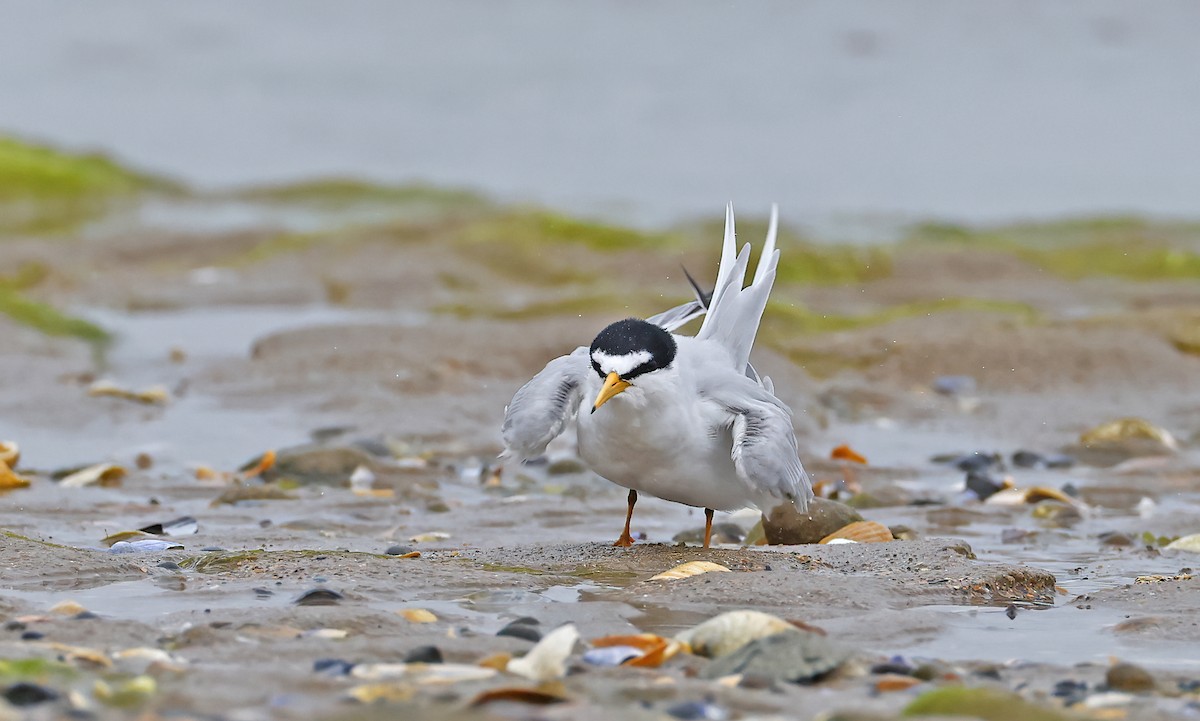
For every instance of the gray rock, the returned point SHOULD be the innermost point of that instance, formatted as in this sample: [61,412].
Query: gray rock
[796,657]
[785,526]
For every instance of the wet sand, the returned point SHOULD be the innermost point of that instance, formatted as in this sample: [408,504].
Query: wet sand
[396,351]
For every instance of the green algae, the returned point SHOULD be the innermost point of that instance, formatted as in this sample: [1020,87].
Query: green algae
[347,192]
[46,191]
[989,704]
[49,320]
[783,319]
[542,228]
[26,669]
[1123,247]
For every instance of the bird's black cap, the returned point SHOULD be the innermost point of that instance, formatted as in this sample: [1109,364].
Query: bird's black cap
[636,340]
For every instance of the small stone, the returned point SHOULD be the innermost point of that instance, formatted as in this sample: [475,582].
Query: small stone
[424,654]
[1027,459]
[1011,612]
[170,566]
[332,666]
[521,629]
[143,461]
[28,694]
[1129,677]
[32,636]
[977,461]
[953,385]
[319,597]
[1070,691]
[1058,460]
[785,526]
[398,550]
[697,711]
[983,484]
[1115,538]
[721,533]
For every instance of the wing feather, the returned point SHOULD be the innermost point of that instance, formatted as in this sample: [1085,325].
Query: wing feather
[764,451]
[541,409]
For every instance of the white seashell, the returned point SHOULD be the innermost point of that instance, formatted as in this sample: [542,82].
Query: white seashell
[730,631]
[689,569]
[547,660]
[1187,543]
[839,541]
[101,473]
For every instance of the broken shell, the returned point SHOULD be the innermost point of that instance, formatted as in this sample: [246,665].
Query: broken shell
[265,462]
[67,608]
[151,395]
[547,660]
[652,650]
[1127,429]
[689,569]
[430,537]
[731,630]
[123,536]
[529,696]
[1186,543]
[145,545]
[1043,493]
[846,453]
[182,526]
[374,692]
[611,655]
[10,453]
[895,682]
[82,656]
[422,673]
[1007,497]
[104,474]
[9,479]
[861,532]
[417,615]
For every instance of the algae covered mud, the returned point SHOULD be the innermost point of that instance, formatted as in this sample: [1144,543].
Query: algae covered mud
[251,466]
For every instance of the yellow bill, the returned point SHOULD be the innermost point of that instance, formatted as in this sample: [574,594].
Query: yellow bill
[612,386]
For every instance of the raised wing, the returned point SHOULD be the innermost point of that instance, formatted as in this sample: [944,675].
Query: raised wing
[541,409]
[764,444]
[735,312]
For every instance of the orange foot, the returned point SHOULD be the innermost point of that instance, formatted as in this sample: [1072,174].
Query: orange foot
[625,541]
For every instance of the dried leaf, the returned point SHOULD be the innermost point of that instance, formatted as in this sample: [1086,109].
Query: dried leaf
[547,660]
[103,474]
[529,696]
[689,569]
[417,615]
[151,395]
[9,479]
[846,453]
[10,453]
[861,532]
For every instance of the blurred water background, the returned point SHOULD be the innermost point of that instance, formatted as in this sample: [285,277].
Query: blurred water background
[845,113]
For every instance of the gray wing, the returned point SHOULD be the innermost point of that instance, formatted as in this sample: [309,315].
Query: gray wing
[678,316]
[541,409]
[764,444]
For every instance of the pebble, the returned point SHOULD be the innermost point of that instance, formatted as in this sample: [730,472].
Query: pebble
[319,597]
[953,385]
[697,711]
[28,694]
[978,461]
[424,654]
[170,566]
[1115,538]
[32,636]
[522,628]
[332,666]
[983,484]
[398,550]
[1027,459]
[1070,691]
[786,526]
[721,533]
[1129,677]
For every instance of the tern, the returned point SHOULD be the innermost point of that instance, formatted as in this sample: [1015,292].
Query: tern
[682,418]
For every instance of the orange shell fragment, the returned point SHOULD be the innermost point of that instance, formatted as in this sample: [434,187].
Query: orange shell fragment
[862,532]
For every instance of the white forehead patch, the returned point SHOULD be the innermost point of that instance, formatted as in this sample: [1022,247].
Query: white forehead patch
[620,364]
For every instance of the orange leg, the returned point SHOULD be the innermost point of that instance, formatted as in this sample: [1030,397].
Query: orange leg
[708,514]
[626,540]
